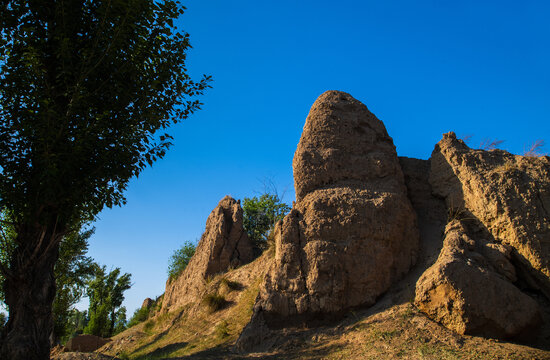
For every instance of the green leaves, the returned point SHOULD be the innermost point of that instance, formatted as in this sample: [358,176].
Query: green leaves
[260,214]
[84,89]
[72,271]
[106,294]
[87,88]
[180,259]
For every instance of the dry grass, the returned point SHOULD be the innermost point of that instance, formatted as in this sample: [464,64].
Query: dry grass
[396,331]
[534,149]
[490,144]
[227,285]
[189,330]
[506,167]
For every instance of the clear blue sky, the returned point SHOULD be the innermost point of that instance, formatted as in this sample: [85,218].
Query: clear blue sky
[423,67]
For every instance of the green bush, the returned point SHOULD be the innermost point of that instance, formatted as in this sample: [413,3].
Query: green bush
[180,259]
[260,214]
[230,285]
[148,326]
[214,302]
[140,315]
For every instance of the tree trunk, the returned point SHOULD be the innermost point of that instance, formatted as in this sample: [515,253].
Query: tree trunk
[112,323]
[30,291]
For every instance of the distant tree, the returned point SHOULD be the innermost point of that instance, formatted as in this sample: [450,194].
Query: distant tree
[120,321]
[260,214]
[76,322]
[3,319]
[106,294]
[7,244]
[87,89]
[180,259]
[72,271]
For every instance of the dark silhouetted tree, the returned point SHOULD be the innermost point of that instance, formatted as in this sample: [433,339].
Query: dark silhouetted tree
[87,90]
[72,271]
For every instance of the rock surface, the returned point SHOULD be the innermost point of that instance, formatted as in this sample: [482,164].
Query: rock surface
[85,343]
[343,141]
[223,244]
[509,194]
[431,211]
[147,303]
[352,232]
[469,289]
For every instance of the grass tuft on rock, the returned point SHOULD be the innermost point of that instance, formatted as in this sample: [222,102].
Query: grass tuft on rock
[214,302]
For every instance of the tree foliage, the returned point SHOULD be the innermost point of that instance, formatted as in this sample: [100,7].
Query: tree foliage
[85,88]
[76,322]
[106,294]
[260,214]
[88,90]
[140,315]
[72,271]
[180,259]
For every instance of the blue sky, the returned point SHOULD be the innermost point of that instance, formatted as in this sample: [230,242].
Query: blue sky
[422,67]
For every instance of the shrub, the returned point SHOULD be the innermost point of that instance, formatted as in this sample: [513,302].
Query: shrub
[123,355]
[214,302]
[222,329]
[230,285]
[148,326]
[535,149]
[260,214]
[140,315]
[490,144]
[180,259]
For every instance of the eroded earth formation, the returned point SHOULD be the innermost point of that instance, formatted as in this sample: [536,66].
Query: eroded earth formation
[476,224]
[224,244]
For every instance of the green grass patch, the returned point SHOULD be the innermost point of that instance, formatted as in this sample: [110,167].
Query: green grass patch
[214,302]
[148,326]
[222,330]
[230,285]
[384,335]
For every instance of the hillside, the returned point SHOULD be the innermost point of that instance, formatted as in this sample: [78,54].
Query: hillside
[381,257]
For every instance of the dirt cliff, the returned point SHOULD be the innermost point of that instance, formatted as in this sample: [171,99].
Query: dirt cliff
[224,244]
[496,248]
[352,232]
[380,257]
[509,194]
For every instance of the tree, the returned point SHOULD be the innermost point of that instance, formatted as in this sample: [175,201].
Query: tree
[87,90]
[72,271]
[106,294]
[76,322]
[260,214]
[180,259]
